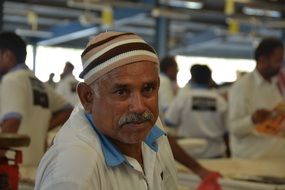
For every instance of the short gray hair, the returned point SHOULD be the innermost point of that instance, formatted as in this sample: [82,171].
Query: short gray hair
[95,86]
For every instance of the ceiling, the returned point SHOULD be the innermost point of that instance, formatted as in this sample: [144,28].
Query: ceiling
[215,28]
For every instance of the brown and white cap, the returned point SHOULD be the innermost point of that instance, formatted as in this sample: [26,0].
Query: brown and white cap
[110,50]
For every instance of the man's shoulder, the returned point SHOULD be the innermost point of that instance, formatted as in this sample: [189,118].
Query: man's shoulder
[16,75]
[75,148]
[73,164]
[244,82]
[17,81]
[73,154]
[77,130]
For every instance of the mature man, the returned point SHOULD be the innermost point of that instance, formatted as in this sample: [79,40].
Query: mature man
[114,142]
[251,100]
[27,105]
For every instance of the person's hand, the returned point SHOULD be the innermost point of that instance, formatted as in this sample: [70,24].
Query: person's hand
[210,182]
[203,173]
[260,116]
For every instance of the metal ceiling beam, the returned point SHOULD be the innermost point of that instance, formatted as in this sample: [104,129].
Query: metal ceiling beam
[217,48]
[193,20]
[99,5]
[198,42]
[41,20]
[33,33]
[161,36]
[42,9]
[69,36]
[12,26]
[137,30]
[76,30]
[263,5]
[1,15]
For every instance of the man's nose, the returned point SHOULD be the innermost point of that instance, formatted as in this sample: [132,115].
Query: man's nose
[137,103]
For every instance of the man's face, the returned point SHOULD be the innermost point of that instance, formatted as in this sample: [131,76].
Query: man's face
[124,92]
[5,57]
[274,62]
[1,62]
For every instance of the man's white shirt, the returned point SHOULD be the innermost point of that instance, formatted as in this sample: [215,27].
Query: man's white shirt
[77,160]
[248,94]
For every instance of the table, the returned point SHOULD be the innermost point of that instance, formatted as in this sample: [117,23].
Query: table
[190,145]
[232,169]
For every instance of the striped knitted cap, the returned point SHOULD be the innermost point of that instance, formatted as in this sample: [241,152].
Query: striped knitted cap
[110,50]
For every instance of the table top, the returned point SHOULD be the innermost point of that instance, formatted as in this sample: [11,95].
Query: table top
[10,140]
[240,174]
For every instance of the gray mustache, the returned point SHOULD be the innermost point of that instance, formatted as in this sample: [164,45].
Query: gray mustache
[136,118]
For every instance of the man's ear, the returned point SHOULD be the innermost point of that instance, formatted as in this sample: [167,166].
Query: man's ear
[263,59]
[85,94]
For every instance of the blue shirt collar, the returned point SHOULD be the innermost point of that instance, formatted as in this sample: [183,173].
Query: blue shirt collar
[113,156]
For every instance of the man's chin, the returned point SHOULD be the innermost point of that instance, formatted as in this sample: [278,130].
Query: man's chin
[135,140]
[135,137]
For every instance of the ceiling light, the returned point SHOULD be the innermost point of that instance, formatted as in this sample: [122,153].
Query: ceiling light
[186,4]
[33,33]
[261,12]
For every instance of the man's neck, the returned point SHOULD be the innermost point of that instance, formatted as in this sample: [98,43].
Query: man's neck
[131,150]
[262,74]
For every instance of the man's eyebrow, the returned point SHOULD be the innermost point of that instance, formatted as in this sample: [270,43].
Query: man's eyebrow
[152,82]
[117,85]
[124,85]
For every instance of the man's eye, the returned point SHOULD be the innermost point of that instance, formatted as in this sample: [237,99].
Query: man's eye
[120,92]
[148,88]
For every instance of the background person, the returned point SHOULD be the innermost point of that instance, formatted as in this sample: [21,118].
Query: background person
[27,105]
[67,84]
[167,92]
[200,113]
[251,100]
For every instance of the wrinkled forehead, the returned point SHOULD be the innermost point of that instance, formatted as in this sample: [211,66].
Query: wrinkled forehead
[135,72]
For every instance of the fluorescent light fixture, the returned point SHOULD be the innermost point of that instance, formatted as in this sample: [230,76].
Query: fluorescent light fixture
[242,1]
[261,12]
[33,33]
[68,37]
[186,4]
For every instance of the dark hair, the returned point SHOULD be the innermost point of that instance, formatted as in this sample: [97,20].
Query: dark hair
[13,42]
[267,46]
[201,74]
[167,62]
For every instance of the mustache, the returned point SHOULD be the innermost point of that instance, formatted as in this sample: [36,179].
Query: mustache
[136,118]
